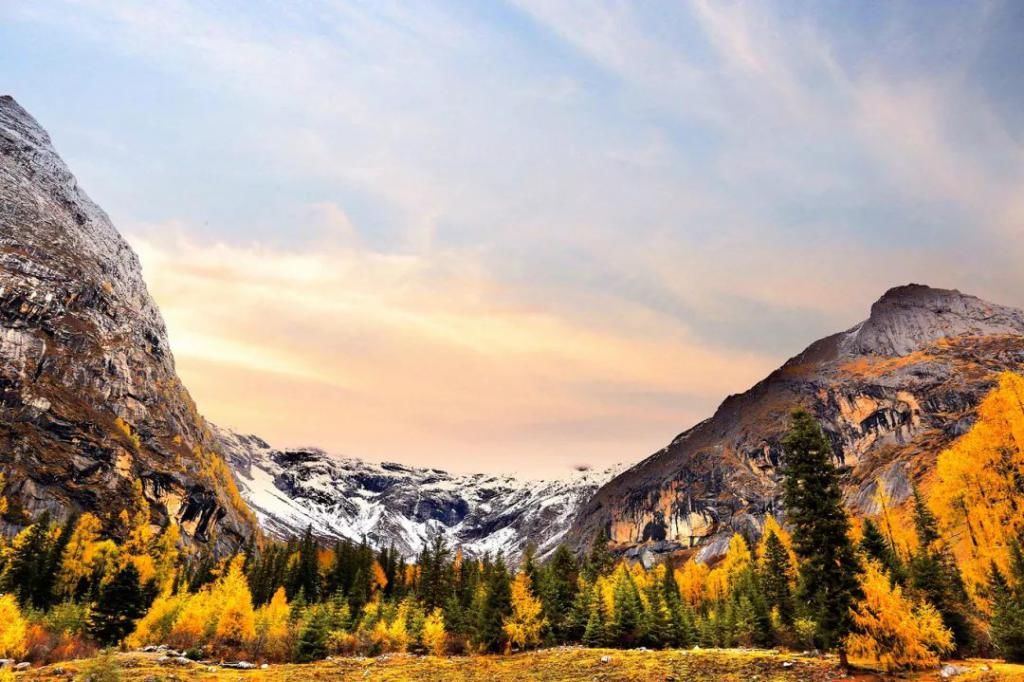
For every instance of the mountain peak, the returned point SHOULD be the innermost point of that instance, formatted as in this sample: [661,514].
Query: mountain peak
[908,318]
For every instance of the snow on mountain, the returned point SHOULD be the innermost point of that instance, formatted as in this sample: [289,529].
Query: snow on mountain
[393,504]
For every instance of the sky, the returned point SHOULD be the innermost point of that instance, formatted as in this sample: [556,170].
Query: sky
[524,236]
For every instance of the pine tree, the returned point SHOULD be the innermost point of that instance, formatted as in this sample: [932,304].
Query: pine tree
[626,627]
[306,576]
[26,573]
[312,643]
[934,574]
[683,634]
[876,546]
[595,635]
[600,561]
[829,568]
[121,602]
[776,572]
[1007,627]
[497,606]
[558,586]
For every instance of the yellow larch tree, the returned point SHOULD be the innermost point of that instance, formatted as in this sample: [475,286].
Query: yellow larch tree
[156,626]
[236,623]
[722,578]
[523,626]
[77,561]
[434,637]
[692,580]
[893,632]
[13,628]
[977,490]
[273,635]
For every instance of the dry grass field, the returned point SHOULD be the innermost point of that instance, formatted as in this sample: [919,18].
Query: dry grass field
[550,665]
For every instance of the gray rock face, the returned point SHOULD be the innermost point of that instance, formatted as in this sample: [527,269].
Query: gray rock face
[89,397]
[891,393]
[395,505]
[911,317]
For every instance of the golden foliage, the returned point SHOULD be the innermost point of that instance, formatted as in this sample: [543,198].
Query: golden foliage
[722,578]
[79,554]
[979,483]
[237,621]
[273,636]
[692,581]
[523,626]
[13,628]
[128,432]
[893,632]
[156,626]
[434,637]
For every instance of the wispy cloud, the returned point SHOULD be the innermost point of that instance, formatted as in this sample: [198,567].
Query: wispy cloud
[555,228]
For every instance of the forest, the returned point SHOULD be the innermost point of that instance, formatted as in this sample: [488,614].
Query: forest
[936,575]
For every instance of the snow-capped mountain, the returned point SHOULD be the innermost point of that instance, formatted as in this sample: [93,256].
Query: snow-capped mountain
[393,504]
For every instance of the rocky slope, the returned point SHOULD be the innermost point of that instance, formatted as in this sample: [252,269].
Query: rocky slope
[891,393]
[392,504]
[89,398]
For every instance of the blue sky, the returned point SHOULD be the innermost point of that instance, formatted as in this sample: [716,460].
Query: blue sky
[478,235]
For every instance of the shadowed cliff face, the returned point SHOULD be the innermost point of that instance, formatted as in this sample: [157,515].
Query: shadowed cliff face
[891,393]
[89,398]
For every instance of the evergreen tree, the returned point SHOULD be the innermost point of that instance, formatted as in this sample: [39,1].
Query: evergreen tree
[876,546]
[306,575]
[595,634]
[626,628]
[26,572]
[558,586]
[600,561]
[776,572]
[121,602]
[1007,627]
[497,605]
[935,576]
[312,642]
[828,584]
[683,634]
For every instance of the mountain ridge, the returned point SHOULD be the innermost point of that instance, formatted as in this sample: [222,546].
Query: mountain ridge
[891,392]
[90,401]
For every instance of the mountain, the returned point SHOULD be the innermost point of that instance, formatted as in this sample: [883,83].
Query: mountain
[891,393]
[393,504]
[89,398]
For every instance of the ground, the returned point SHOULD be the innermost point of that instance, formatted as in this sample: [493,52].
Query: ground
[550,665]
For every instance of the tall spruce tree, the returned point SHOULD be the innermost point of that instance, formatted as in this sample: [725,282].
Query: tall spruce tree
[935,575]
[497,605]
[1007,626]
[600,561]
[876,546]
[776,572]
[828,584]
[121,602]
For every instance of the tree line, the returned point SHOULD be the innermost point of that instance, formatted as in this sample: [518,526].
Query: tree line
[889,590]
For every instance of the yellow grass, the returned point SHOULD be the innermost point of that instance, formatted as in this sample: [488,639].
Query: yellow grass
[549,665]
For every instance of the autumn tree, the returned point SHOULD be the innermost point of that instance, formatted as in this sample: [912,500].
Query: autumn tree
[1007,604]
[237,620]
[828,585]
[434,637]
[13,628]
[524,624]
[892,631]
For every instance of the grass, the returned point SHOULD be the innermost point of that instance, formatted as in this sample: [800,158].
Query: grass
[549,665]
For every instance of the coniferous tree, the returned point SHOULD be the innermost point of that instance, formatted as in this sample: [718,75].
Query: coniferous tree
[312,642]
[934,574]
[683,634]
[121,602]
[559,583]
[306,576]
[496,607]
[595,633]
[25,574]
[776,572]
[1007,627]
[600,561]
[828,584]
[876,546]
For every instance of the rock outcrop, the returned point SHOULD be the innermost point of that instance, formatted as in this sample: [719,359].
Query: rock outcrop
[891,393]
[89,398]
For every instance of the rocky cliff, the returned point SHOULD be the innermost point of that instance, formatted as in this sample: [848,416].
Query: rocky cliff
[89,398]
[396,505]
[891,393]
